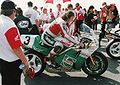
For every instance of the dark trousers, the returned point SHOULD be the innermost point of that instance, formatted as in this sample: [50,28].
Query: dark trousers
[10,72]
[24,31]
[34,30]
[78,23]
[95,26]
[102,34]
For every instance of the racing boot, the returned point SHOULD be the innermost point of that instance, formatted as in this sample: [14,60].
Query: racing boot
[50,59]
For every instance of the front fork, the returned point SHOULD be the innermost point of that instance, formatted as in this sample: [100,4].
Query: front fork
[92,60]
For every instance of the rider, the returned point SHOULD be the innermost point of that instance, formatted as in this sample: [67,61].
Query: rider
[58,28]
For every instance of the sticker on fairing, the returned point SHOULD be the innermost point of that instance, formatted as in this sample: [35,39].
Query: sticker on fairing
[68,61]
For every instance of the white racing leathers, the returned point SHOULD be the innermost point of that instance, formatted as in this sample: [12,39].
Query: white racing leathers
[57,28]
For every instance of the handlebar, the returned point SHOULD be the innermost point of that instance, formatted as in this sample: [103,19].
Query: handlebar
[115,35]
[117,31]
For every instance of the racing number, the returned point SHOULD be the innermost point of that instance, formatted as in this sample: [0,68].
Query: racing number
[26,42]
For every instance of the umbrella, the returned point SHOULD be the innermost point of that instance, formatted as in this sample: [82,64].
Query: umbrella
[51,1]
[66,1]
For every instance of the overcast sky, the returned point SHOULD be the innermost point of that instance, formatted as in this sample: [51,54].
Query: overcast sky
[83,3]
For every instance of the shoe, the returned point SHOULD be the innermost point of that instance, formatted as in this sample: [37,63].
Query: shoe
[49,63]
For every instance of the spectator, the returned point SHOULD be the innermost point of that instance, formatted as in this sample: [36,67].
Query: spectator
[80,15]
[59,12]
[41,9]
[90,17]
[33,16]
[85,15]
[23,23]
[52,17]
[72,25]
[95,16]
[103,17]
[36,9]
[112,16]
[11,54]
[44,17]
[70,7]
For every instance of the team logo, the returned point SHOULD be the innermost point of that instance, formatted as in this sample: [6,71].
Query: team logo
[17,38]
[23,24]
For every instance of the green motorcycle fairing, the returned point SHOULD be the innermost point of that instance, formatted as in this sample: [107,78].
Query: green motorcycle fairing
[68,58]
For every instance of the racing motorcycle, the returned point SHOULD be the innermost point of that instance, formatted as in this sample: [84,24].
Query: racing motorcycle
[71,58]
[113,47]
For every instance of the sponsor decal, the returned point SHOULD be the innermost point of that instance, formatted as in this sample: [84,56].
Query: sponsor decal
[68,61]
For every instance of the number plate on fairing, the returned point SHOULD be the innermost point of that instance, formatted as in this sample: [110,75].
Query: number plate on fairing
[28,40]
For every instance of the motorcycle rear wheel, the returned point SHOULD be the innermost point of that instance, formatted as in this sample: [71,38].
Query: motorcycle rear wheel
[101,65]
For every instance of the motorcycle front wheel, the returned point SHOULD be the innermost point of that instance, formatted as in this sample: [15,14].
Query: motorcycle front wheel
[99,67]
[35,61]
[113,49]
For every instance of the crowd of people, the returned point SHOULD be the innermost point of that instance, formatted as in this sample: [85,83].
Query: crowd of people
[108,15]
[64,22]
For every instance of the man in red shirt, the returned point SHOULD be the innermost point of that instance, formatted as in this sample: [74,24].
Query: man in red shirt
[103,16]
[80,15]
[11,54]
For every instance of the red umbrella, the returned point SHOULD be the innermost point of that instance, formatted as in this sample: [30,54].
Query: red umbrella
[51,1]
[66,1]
